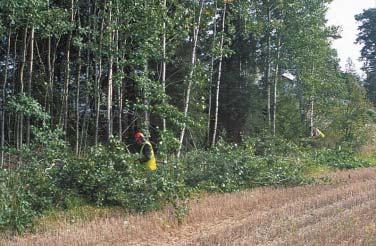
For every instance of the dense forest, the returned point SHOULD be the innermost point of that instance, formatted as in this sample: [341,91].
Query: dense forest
[82,76]
[189,70]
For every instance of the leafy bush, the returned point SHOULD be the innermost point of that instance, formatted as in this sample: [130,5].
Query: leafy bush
[53,177]
[282,171]
[107,175]
[269,145]
[28,106]
[231,167]
[31,189]
[16,211]
[343,159]
[26,192]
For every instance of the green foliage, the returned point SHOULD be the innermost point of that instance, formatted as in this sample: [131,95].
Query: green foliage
[342,159]
[258,37]
[26,192]
[28,106]
[367,38]
[108,176]
[167,145]
[274,146]
[32,189]
[16,212]
[229,167]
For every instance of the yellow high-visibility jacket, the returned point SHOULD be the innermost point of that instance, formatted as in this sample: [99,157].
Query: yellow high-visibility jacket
[148,156]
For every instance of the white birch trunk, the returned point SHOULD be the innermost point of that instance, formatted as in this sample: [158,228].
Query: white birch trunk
[146,122]
[110,79]
[97,86]
[164,125]
[211,74]
[22,68]
[88,75]
[276,76]
[77,147]
[219,77]
[67,76]
[31,63]
[312,115]
[268,82]
[120,86]
[190,77]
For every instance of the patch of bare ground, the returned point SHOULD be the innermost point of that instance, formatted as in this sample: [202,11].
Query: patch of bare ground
[340,213]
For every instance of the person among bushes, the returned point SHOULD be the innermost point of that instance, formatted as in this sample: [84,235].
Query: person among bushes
[316,133]
[146,152]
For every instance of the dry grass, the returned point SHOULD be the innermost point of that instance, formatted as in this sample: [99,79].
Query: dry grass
[340,213]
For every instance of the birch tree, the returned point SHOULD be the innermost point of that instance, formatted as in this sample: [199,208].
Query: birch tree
[164,58]
[20,130]
[65,104]
[31,64]
[190,76]
[219,75]
[211,75]
[110,75]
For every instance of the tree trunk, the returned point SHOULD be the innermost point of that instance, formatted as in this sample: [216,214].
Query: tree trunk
[84,128]
[276,76]
[311,117]
[219,76]
[21,80]
[48,95]
[67,76]
[145,91]
[14,82]
[110,79]
[120,116]
[301,101]
[98,86]
[3,97]
[87,102]
[77,147]
[268,82]
[190,77]
[120,85]
[211,73]
[164,125]
[312,99]
[51,83]
[31,63]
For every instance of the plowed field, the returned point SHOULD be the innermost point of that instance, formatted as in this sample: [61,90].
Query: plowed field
[339,212]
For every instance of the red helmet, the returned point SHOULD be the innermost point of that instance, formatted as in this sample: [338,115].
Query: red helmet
[139,136]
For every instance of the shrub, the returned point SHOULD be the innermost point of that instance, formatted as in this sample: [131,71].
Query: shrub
[32,189]
[25,193]
[275,146]
[229,167]
[343,159]
[16,211]
[52,177]
[107,175]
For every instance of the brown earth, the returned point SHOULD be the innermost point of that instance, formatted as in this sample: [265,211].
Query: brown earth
[340,212]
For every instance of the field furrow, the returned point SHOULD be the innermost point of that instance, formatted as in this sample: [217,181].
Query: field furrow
[264,224]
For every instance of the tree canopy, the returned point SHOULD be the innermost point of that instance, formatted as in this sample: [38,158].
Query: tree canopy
[187,71]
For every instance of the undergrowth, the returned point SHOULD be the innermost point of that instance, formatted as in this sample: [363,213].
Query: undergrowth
[53,182]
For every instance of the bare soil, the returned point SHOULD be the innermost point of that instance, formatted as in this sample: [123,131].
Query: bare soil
[339,212]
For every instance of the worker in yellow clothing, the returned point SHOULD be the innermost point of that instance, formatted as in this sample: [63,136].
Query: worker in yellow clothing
[146,152]
[317,133]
